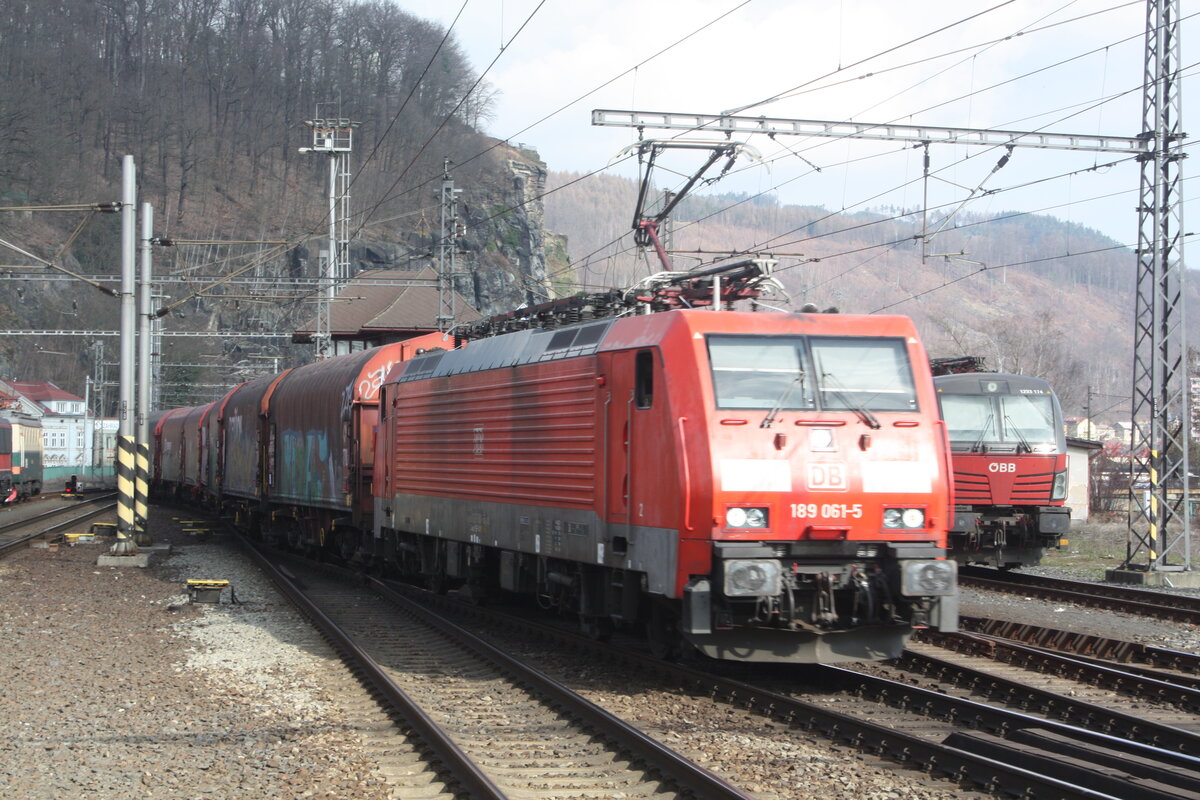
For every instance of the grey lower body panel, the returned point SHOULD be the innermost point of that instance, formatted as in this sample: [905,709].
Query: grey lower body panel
[570,534]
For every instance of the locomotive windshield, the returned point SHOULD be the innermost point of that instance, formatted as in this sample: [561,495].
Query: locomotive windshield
[1011,423]
[808,372]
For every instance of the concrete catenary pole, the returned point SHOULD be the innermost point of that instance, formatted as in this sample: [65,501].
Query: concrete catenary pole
[125,544]
[145,301]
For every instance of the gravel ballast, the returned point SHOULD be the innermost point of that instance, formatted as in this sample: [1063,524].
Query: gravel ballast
[114,687]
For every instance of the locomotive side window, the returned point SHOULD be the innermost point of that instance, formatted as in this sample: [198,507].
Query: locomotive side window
[760,372]
[864,373]
[644,375]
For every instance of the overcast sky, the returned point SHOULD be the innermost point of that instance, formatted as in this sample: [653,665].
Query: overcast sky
[849,56]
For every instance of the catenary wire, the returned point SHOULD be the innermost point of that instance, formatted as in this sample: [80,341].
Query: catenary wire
[1034,72]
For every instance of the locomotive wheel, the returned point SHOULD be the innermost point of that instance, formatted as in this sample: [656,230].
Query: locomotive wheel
[599,629]
[663,633]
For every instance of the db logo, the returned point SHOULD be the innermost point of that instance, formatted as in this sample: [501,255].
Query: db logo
[998,467]
[827,477]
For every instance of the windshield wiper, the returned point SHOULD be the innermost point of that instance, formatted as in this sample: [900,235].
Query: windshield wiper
[866,416]
[1017,431]
[769,419]
[979,446]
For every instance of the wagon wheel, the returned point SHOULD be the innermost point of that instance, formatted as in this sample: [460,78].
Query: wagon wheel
[436,582]
[664,633]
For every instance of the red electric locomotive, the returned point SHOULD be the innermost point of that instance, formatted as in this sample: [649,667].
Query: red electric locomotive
[1010,467]
[758,486]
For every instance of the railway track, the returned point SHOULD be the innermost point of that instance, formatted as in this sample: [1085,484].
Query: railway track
[498,728]
[966,740]
[18,533]
[1158,605]
[1046,744]
[1086,645]
[1176,681]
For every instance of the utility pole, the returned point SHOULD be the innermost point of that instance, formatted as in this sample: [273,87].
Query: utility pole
[333,137]
[125,544]
[145,298]
[98,371]
[156,358]
[447,270]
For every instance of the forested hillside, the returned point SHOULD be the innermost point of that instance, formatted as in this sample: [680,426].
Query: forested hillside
[1031,293]
[210,97]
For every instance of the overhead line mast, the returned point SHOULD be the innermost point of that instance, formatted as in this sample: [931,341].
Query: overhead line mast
[335,139]
[1159,537]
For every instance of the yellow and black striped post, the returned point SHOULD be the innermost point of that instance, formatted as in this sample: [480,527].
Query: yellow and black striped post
[141,510]
[125,506]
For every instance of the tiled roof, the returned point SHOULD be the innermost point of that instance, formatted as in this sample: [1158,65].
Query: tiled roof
[43,392]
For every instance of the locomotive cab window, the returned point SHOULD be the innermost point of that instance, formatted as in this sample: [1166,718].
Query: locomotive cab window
[864,373]
[797,373]
[1000,422]
[760,372]
[644,378]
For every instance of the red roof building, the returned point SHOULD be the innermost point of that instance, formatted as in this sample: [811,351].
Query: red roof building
[50,397]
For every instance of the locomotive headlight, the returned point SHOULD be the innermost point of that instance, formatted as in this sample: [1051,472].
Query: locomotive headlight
[920,578]
[747,517]
[1059,490]
[909,518]
[752,578]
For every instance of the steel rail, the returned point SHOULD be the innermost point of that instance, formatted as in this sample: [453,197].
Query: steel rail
[1121,676]
[52,512]
[15,543]
[1088,587]
[1083,644]
[1157,605]
[1161,736]
[464,771]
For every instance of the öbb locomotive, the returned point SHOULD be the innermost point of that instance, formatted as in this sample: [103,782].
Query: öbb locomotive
[757,486]
[1009,453]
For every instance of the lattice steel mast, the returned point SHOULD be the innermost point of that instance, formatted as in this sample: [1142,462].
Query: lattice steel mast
[334,138]
[1159,517]
[447,270]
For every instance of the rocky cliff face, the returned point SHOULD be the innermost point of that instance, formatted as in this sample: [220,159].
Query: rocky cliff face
[501,256]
